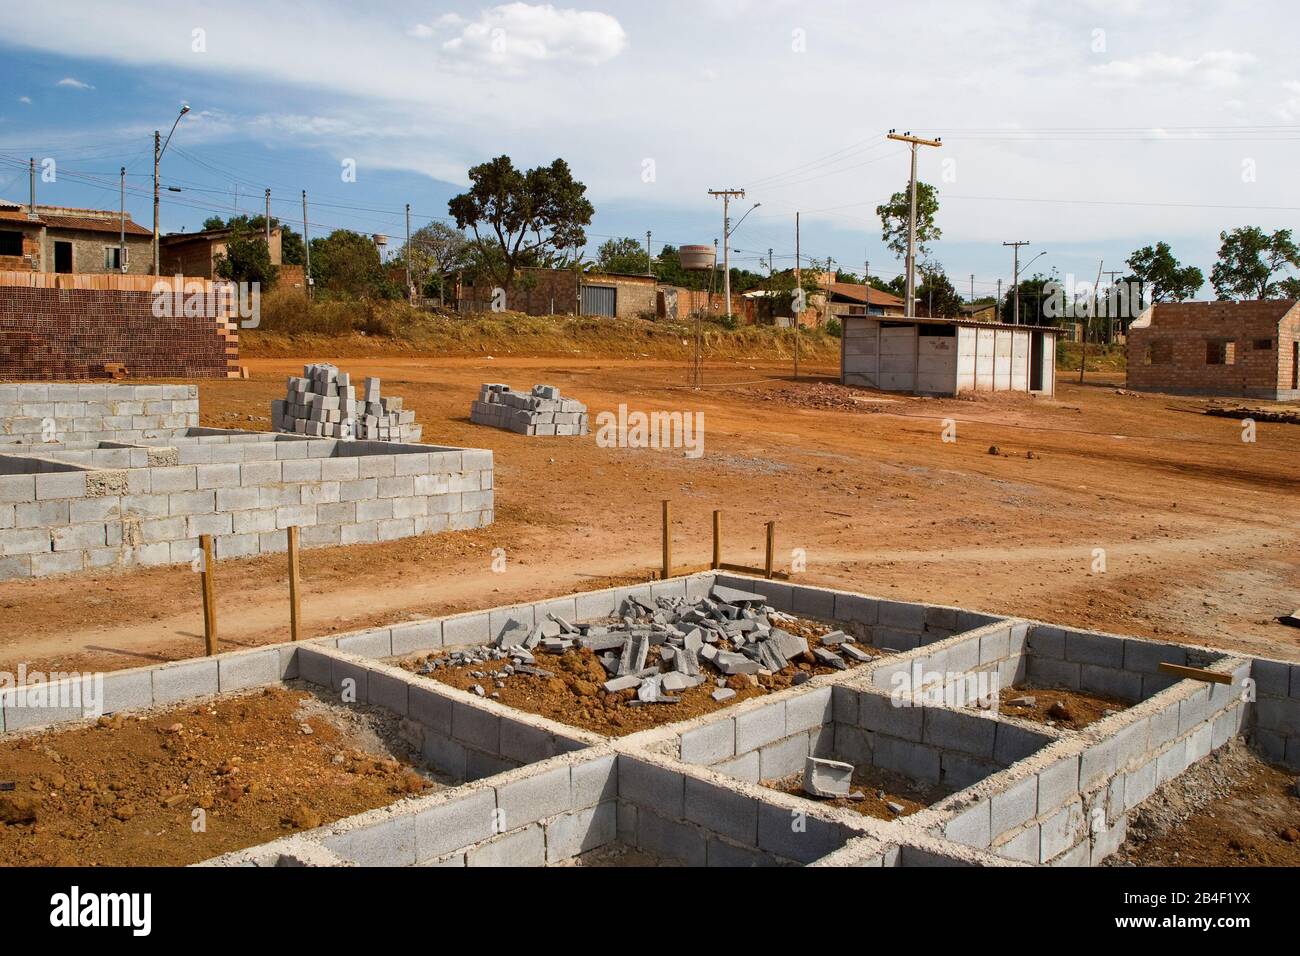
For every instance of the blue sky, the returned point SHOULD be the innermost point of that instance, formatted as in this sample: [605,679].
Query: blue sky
[1088,128]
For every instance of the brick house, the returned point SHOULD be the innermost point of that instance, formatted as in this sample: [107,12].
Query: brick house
[565,292]
[63,239]
[1251,349]
[196,253]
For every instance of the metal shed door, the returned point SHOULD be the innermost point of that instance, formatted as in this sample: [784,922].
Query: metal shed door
[599,300]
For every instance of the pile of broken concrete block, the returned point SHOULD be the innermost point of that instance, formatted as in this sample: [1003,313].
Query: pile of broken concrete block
[729,632]
[323,403]
[541,412]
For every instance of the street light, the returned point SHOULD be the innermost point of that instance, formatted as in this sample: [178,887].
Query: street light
[1019,270]
[160,147]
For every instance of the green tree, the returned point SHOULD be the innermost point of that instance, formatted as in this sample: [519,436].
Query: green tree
[437,251]
[1249,262]
[346,264]
[935,294]
[247,258]
[1033,300]
[525,214]
[1164,278]
[621,255]
[894,217]
[292,249]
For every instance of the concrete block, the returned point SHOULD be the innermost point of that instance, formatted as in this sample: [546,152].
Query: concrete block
[813,602]
[877,712]
[784,757]
[1023,846]
[709,743]
[583,830]
[918,761]
[1095,649]
[388,691]
[536,797]
[652,786]
[809,710]
[376,643]
[315,667]
[1278,714]
[127,690]
[428,707]
[1145,657]
[1097,763]
[1046,641]
[960,730]
[184,680]
[351,680]
[669,837]
[466,629]
[1050,672]
[1061,831]
[971,826]
[245,669]
[901,615]
[594,781]
[476,727]
[387,843]
[1014,806]
[724,811]
[1109,682]
[1172,761]
[1013,743]
[760,726]
[995,646]
[795,835]
[744,767]
[468,819]
[1058,783]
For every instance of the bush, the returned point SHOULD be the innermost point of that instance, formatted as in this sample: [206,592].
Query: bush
[833,327]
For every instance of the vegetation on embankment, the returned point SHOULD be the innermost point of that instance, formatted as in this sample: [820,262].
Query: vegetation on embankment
[291,326]
[1101,358]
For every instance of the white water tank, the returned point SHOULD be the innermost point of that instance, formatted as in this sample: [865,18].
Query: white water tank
[697,257]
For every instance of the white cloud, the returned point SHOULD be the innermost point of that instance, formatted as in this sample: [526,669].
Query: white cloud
[73,83]
[1215,69]
[1289,110]
[25,100]
[518,33]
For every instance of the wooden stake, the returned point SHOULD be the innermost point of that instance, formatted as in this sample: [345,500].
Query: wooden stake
[295,602]
[209,597]
[717,539]
[771,549]
[668,544]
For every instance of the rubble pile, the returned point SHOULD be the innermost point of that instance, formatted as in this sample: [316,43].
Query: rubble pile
[731,632]
[323,403]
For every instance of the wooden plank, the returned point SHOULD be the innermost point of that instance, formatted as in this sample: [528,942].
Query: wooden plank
[295,607]
[209,596]
[668,542]
[717,540]
[771,550]
[1194,673]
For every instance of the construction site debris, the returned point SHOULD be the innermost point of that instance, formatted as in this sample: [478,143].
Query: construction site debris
[541,412]
[323,403]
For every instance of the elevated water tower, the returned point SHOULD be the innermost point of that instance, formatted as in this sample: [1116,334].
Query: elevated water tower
[699,259]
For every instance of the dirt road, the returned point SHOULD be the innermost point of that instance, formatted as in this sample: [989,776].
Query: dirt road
[1101,509]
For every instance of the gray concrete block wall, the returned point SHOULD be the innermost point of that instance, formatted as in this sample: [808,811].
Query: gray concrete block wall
[245,491]
[38,412]
[1276,730]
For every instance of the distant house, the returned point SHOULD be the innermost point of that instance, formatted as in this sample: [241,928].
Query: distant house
[852,299]
[1251,349]
[64,239]
[980,312]
[197,253]
[566,292]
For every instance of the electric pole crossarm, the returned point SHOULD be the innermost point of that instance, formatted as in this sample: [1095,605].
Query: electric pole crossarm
[913,141]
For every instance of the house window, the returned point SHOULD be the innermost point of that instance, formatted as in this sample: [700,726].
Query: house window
[1220,352]
[1160,352]
[1262,345]
[113,258]
[11,243]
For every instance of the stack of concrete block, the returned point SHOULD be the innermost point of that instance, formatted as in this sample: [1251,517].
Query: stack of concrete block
[542,412]
[323,403]
[39,413]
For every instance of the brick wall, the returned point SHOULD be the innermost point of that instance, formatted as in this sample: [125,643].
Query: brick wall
[1170,354]
[49,333]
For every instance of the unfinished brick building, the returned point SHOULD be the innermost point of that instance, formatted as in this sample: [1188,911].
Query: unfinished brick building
[1251,349]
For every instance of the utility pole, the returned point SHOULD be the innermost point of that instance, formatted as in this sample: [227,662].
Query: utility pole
[1110,297]
[306,245]
[267,216]
[157,155]
[1016,277]
[121,203]
[1083,334]
[997,304]
[914,142]
[649,258]
[727,195]
[972,287]
[769,263]
[31,184]
[410,282]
